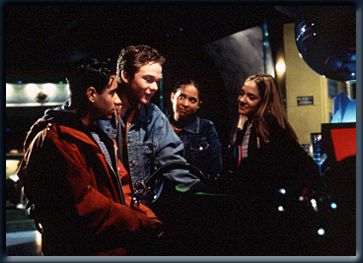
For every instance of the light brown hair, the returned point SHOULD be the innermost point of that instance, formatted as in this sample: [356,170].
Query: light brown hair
[270,106]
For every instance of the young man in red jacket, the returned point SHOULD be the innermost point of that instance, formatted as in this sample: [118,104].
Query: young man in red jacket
[71,174]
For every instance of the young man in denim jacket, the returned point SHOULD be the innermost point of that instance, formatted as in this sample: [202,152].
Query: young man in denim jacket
[144,136]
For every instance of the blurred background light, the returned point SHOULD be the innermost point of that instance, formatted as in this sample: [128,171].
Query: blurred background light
[9,90]
[50,89]
[31,90]
[321,231]
[280,66]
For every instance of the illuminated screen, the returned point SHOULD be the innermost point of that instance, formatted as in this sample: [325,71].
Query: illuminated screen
[344,142]
[339,141]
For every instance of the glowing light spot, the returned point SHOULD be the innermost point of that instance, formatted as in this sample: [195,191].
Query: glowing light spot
[321,231]
[31,90]
[9,91]
[333,205]
[282,191]
[280,66]
[314,204]
[50,89]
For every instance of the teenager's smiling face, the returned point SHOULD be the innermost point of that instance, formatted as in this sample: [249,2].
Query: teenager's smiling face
[185,101]
[146,82]
[249,98]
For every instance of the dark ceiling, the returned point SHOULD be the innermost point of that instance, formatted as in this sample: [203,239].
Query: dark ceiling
[41,39]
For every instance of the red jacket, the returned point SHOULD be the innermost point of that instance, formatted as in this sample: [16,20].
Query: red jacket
[77,200]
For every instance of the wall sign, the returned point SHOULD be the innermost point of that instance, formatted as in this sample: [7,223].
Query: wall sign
[305,100]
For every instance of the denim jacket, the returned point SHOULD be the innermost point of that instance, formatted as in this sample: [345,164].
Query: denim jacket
[152,143]
[202,145]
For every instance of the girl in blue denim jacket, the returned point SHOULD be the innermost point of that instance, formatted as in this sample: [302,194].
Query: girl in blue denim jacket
[202,147]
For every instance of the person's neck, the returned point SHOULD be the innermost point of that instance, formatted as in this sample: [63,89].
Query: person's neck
[129,102]
[87,120]
[127,110]
[181,122]
[86,116]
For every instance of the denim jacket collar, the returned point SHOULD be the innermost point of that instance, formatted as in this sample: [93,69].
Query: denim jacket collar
[193,125]
[143,114]
[141,110]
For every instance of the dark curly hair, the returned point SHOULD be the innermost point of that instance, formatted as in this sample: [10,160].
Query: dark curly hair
[93,72]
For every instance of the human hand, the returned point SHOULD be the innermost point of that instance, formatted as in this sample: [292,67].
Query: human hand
[142,192]
[154,228]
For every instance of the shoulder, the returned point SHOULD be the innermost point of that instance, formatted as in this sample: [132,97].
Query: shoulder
[271,120]
[151,108]
[153,113]
[150,111]
[41,138]
[273,126]
[35,129]
[206,124]
[207,128]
